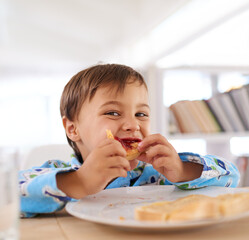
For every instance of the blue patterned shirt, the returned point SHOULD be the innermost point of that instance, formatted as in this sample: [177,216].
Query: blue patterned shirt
[39,192]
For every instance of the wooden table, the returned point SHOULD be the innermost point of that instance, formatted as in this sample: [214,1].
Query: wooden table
[63,226]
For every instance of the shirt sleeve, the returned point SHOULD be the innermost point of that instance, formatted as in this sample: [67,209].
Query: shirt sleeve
[38,188]
[216,172]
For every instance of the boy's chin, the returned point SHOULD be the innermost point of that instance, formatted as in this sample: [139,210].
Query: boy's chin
[133,163]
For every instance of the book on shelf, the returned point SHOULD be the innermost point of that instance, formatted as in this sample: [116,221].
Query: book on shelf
[228,112]
[194,117]
[197,116]
[178,117]
[219,113]
[231,112]
[190,117]
[208,116]
[184,118]
[240,98]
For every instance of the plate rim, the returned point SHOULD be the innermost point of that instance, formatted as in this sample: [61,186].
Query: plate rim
[154,225]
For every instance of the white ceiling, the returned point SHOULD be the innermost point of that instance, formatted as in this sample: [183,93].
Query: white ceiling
[221,45]
[41,36]
[45,37]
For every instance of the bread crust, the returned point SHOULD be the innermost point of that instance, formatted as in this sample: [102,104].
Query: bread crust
[194,207]
[132,153]
[232,204]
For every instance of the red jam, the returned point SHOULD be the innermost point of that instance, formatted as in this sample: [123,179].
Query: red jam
[126,142]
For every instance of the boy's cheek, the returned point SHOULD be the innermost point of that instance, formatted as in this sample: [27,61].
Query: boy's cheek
[102,134]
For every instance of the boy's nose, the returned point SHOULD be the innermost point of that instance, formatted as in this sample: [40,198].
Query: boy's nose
[131,124]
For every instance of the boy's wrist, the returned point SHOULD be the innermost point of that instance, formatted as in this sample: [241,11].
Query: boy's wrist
[190,171]
[70,184]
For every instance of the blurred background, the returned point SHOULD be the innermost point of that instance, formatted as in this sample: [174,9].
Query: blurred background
[186,49]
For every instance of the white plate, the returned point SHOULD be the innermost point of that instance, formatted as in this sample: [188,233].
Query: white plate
[115,207]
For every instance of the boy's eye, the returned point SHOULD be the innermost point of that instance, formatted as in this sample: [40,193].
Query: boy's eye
[141,114]
[112,113]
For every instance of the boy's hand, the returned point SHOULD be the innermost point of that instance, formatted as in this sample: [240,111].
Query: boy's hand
[164,158]
[105,163]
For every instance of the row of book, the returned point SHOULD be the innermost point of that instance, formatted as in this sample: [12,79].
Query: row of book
[224,112]
[242,163]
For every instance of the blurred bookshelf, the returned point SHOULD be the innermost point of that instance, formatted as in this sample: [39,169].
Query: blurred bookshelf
[231,120]
[222,113]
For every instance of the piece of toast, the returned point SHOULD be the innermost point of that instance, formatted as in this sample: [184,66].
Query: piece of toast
[194,207]
[109,134]
[132,153]
[232,204]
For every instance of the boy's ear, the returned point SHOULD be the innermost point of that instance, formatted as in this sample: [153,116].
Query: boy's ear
[71,129]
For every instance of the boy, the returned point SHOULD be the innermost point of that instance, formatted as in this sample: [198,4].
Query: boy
[113,97]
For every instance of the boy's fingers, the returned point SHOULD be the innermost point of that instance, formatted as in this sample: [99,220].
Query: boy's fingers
[152,140]
[154,152]
[142,157]
[113,148]
[106,141]
[117,172]
[160,162]
[158,150]
[117,161]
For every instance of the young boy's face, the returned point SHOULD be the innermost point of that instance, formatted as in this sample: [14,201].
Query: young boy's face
[125,113]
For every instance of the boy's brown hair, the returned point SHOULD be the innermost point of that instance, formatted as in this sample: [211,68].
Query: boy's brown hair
[84,85]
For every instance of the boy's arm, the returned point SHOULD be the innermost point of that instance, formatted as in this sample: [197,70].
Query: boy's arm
[184,168]
[38,188]
[201,171]
[216,172]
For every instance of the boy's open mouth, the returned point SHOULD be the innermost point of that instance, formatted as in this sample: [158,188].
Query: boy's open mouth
[128,143]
